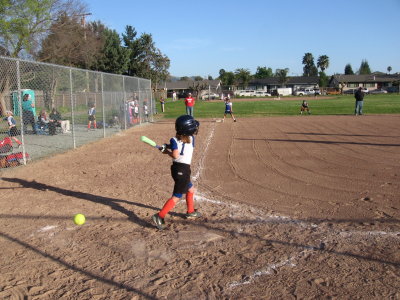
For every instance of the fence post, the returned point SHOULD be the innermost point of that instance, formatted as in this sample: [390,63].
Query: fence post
[72,108]
[153,104]
[122,105]
[102,101]
[21,112]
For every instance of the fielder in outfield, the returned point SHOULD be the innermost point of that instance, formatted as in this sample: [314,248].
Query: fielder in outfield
[181,149]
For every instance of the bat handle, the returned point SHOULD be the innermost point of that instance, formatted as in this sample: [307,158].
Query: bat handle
[163,147]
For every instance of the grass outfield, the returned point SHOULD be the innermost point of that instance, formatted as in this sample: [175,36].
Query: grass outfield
[335,105]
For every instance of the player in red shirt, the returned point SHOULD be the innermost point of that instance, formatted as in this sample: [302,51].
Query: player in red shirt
[189,102]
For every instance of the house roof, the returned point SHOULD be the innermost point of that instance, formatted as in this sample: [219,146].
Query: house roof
[366,78]
[188,84]
[312,80]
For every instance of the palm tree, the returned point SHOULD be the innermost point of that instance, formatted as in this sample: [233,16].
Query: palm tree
[281,74]
[389,69]
[309,66]
[243,76]
[323,62]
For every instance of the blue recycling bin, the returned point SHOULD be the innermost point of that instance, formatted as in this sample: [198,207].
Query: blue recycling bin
[15,100]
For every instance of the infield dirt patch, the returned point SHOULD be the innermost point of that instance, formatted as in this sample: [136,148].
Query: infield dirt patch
[294,207]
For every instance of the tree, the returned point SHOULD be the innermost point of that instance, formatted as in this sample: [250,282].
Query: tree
[323,79]
[323,62]
[23,23]
[348,70]
[263,72]
[242,76]
[364,68]
[114,58]
[184,78]
[198,86]
[389,69]
[145,59]
[281,74]
[198,78]
[131,43]
[69,43]
[309,68]
[229,79]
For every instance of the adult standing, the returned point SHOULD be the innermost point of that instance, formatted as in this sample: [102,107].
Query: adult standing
[162,102]
[28,113]
[174,96]
[189,102]
[359,95]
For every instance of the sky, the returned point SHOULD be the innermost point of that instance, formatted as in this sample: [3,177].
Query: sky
[202,37]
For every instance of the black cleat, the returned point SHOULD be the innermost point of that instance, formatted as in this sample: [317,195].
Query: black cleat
[193,215]
[158,221]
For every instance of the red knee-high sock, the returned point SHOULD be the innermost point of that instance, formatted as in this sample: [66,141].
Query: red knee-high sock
[166,208]
[190,202]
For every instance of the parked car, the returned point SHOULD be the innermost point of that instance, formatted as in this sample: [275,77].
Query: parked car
[183,95]
[317,91]
[247,93]
[378,91]
[210,96]
[365,90]
[332,91]
[262,94]
[392,89]
[349,91]
[304,92]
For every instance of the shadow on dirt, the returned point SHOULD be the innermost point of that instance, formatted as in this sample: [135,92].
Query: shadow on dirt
[321,142]
[321,248]
[111,202]
[74,268]
[340,134]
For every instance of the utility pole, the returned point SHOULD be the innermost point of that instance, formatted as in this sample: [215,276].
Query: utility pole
[83,22]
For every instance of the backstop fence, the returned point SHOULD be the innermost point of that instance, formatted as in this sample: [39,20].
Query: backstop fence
[51,107]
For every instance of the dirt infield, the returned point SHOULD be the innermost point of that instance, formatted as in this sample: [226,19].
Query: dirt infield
[294,207]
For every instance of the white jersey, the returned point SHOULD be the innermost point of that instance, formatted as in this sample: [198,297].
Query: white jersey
[185,150]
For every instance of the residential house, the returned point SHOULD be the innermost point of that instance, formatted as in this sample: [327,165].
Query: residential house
[272,83]
[197,88]
[370,81]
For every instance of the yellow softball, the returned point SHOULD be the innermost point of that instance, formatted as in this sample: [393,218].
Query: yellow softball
[79,219]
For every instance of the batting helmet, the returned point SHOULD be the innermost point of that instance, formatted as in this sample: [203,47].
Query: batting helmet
[186,125]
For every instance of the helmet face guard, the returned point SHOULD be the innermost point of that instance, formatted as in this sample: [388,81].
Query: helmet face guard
[186,125]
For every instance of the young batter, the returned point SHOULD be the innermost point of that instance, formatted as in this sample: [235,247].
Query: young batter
[181,149]
[228,109]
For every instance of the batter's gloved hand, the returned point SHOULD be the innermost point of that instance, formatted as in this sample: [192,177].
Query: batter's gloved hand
[163,148]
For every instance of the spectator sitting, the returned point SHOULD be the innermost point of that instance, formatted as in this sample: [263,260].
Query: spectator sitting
[45,122]
[55,116]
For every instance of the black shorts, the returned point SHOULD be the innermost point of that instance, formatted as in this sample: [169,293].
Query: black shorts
[14,131]
[181,175]
[92,118]
[228,112]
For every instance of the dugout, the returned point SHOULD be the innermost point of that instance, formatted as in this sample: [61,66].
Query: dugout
[15,100]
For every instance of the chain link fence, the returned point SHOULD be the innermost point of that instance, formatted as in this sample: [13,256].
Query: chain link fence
[48,108]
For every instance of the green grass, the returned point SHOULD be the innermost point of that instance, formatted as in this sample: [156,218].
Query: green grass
[335,105]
